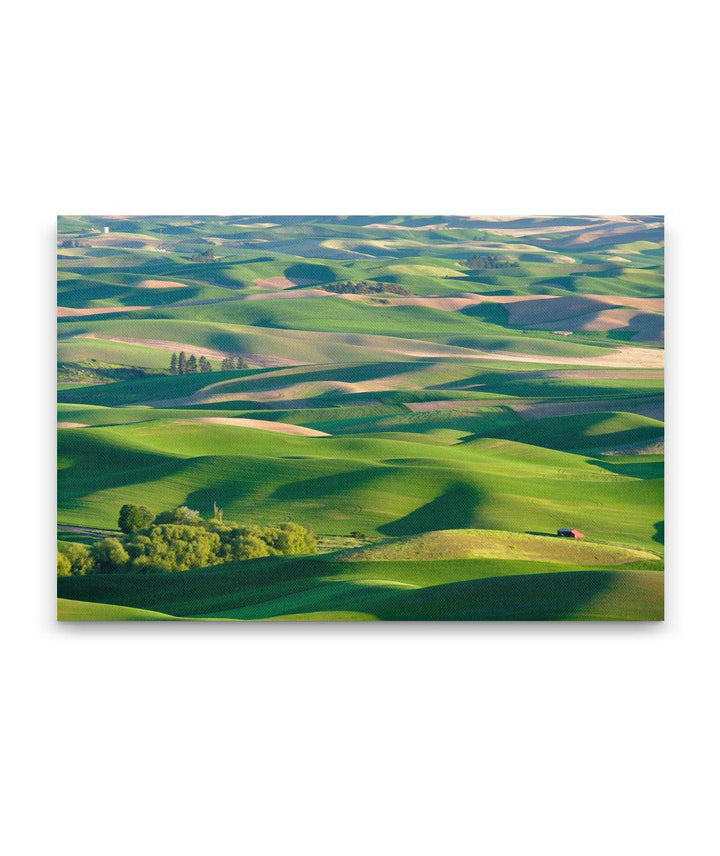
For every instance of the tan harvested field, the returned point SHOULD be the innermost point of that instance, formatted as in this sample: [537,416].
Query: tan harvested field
[290,392]
[537,311]
[642,405]
[395,227]
[72,425]
[73,312]
[649,326]
[543,310]
[280,282]
[533,230]
[648,304]
[160,283]
[587,237]
[121,239]
[459,404]
[162,344]
[264,425]
[589,312]
[652,406]
[446,304]
[510,231]
[256,360]
[606,374]
[275,295]
[623,357]
[254,225]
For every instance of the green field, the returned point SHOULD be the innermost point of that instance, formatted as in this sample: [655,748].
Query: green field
[434,438]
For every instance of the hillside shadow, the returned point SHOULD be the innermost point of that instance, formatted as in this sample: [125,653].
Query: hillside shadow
[324,486]
[94,465]
[659,535]
[645,470]
[491,313]
[566,283]
[224,494]
[267,588]
[454,509]
[303,273]
[526,597]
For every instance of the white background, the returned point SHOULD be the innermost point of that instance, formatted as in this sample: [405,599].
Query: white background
[359,739]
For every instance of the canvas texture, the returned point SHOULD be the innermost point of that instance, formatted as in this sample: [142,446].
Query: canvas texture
[359,418]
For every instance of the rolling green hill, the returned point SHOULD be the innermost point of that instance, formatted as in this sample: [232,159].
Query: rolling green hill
[513,385]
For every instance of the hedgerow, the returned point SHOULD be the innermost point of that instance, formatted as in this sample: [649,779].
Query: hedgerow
[181,540]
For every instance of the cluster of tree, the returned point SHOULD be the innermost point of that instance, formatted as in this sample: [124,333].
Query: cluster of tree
[188,365]
[71,242]
[490,262]
[180,540]
[229,364]
[366,287]
[205,256]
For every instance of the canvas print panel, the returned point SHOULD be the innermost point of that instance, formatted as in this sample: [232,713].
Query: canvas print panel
[360,418]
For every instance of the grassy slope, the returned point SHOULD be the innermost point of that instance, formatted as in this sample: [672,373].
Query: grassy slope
[588,431]
[78,610]
[340,483]
[494,544]
[388,470]
[399,590]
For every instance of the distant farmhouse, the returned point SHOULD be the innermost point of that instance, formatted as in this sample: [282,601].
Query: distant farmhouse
[570,533]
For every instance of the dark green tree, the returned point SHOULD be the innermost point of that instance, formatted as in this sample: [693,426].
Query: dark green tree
[174,364]
[134,517]
[191,367]
[204,365]
[182,361]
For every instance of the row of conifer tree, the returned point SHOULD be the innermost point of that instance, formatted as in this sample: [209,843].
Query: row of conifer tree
[182,364]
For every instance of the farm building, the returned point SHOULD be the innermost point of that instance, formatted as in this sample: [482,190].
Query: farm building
[570,533]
